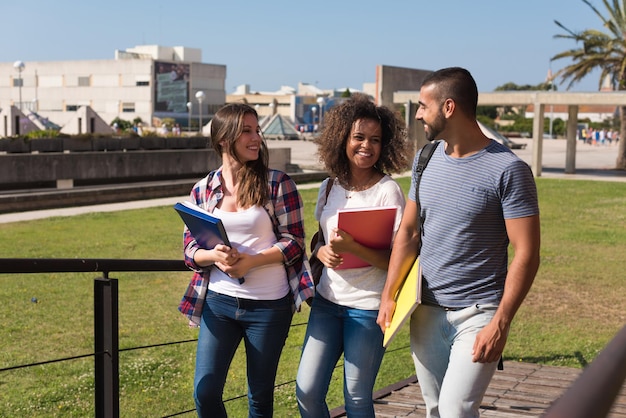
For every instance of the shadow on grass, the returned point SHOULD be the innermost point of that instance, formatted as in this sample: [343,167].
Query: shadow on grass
[555,359]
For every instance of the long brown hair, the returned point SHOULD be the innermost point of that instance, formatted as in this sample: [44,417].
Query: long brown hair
[226,127]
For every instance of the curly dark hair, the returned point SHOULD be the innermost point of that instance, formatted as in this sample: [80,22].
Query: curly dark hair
[336,128]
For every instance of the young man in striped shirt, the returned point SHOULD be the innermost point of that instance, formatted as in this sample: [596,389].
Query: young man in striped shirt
[475,198]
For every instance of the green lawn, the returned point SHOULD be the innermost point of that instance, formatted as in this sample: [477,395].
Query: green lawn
[574,308]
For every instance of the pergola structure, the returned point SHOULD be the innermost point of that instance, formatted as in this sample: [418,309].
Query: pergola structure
[539,99]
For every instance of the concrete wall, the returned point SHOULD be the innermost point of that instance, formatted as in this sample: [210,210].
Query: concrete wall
[66,170]
[390,80]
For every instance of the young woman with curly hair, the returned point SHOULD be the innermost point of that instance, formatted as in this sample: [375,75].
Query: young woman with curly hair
[360,144]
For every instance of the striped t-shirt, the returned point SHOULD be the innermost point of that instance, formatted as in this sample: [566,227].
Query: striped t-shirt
[464,202]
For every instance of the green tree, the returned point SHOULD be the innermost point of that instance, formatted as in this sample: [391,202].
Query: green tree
[510,86]
[600,50]
[489,111]
[121,124]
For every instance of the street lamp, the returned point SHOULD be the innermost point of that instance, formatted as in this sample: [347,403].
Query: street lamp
[200,96]
[19,66]
[189,116]
[320,101]
[313,111]
[551,87]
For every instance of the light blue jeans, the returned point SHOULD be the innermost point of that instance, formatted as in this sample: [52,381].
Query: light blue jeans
[263,325]
[333,329]
[441,342]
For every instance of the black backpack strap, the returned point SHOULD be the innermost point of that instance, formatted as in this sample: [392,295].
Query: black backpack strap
[422,162]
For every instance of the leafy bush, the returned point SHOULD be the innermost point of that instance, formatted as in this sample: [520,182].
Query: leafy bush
[48,133]
[122,124]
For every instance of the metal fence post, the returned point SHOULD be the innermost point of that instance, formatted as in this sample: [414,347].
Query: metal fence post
[106,339]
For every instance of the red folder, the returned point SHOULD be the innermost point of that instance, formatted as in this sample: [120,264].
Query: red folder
[371,227]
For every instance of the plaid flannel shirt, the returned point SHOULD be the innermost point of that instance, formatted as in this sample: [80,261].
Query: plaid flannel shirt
[285,211]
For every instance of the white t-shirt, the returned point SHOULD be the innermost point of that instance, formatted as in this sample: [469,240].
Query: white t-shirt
[250,232]
[358,288]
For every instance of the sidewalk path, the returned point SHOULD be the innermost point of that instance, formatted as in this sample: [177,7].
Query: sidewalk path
[592,162]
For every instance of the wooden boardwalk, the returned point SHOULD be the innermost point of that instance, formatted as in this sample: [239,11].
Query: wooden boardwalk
[520,390]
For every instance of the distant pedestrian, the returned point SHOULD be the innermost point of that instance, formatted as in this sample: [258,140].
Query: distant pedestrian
[602,137]
[583,135]
[590,135]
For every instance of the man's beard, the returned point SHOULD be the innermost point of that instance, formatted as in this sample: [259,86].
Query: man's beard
[436,128]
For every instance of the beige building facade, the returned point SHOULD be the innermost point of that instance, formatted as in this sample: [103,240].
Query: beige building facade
[149,82]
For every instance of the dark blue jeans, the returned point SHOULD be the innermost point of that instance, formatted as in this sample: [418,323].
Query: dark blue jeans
[263,325]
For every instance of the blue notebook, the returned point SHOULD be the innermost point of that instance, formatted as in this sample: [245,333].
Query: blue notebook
[207,229]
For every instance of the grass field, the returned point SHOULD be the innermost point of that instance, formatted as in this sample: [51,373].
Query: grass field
[574,308]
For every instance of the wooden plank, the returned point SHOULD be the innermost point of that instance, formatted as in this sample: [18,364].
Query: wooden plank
[521,390]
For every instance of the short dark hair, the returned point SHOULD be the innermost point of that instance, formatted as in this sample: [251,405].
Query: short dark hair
[455,83]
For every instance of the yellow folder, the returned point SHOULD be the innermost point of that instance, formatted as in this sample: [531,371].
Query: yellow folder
[407,299]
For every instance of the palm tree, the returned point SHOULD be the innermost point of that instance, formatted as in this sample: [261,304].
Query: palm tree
[605,51]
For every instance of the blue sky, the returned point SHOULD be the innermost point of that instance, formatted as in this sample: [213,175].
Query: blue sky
[332,44]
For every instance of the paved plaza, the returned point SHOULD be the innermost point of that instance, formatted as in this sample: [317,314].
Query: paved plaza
[592,162]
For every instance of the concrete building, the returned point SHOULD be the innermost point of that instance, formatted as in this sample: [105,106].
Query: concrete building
[149,82]
[304,106]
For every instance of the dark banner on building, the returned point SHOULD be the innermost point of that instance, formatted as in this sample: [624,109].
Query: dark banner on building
[171,83]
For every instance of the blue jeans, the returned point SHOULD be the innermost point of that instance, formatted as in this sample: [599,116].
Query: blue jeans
[333,329]
[263,325]
[441,343]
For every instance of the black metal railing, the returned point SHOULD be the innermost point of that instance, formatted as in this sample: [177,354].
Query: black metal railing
[592,394]
[106,325]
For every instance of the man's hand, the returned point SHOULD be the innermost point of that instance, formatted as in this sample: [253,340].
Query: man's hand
[385,313]
[489,343]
